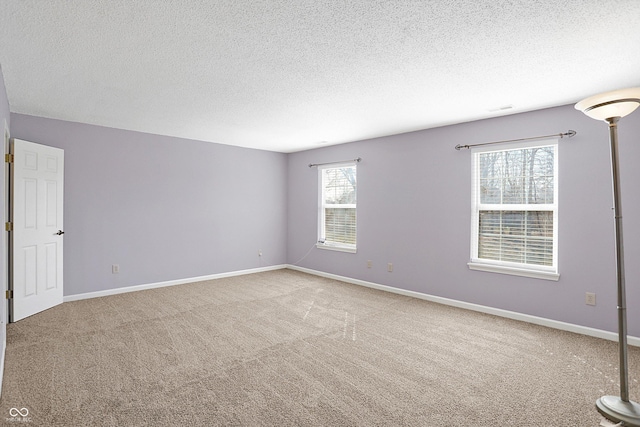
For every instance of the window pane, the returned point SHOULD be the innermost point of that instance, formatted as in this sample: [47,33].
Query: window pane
[516,236]
[491,177]
[512,249]
[540,175]
[540,224]
[339,185]
[340,225]
[517,176]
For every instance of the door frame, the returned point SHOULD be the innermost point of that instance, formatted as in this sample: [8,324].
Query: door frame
[6,240]
[4,263]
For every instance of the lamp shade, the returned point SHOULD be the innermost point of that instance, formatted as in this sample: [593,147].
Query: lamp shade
[617,103]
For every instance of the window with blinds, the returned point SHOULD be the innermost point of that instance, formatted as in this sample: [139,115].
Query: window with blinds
[515,209]
[337,207]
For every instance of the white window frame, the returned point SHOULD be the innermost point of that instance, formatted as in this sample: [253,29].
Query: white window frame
[504,267]
[322,242]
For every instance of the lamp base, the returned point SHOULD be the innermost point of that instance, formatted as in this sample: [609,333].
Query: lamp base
[615,409]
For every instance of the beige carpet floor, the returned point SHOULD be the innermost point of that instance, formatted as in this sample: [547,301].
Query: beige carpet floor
[284,348]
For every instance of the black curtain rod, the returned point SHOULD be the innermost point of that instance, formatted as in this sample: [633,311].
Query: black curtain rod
[334,163]
[568,134]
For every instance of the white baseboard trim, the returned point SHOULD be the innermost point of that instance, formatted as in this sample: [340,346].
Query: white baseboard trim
[555,324]
[107,292]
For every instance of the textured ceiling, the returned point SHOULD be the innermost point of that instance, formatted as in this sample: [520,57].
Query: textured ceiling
[287,75]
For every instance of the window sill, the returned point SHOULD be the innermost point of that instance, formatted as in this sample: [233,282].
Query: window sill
[536,274]
[336,248]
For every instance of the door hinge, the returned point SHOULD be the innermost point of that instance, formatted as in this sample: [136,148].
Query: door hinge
[8,226]
[8,158]
[9,294]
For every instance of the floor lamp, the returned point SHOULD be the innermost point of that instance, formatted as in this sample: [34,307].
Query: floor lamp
[611,107]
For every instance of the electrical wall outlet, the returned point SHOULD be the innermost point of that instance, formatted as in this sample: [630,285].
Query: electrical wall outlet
[259,252]
[369,263]
[115,269]
[590,298]
[390,267]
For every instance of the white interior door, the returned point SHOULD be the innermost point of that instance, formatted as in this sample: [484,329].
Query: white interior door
[37,237]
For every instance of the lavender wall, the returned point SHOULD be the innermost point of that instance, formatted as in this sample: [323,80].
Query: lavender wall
[162,208]
[414,211]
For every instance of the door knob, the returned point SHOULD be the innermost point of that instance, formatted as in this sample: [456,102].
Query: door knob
[60,233]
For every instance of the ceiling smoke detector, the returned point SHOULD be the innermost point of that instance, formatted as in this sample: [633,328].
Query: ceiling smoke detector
[502,108]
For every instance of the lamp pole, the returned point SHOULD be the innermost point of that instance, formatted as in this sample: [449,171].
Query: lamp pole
[613,407]
[622,300]
[610,107]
